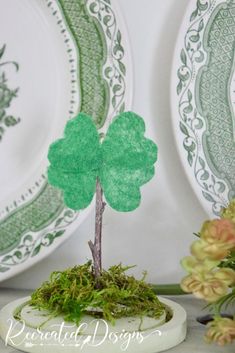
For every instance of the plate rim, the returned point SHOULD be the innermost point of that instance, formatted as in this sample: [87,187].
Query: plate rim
[174,100]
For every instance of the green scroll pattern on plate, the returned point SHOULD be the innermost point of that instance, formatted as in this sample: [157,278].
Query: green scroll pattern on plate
[96,90]
[205,107]
[213,96]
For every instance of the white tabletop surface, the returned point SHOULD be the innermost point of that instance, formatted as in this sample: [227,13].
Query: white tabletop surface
[194,341]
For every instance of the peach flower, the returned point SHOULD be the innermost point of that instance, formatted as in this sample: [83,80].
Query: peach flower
[209,285]
[221,330]
[217,238]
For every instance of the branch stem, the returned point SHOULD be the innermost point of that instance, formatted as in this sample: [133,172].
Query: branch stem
[95,247]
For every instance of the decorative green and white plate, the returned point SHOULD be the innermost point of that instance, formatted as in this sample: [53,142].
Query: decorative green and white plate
[57,57]
[203,100]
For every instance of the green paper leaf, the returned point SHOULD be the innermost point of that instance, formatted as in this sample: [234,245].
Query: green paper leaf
[75,161]
[123,162]
[128,162]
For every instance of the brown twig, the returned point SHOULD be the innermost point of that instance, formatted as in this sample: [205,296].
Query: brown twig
[96,246]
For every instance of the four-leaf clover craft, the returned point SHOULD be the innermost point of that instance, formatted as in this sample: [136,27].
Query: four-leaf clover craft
[122,161]
[84,163]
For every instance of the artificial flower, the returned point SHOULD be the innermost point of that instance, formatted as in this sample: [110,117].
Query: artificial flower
[203,250]
[209,285]
[217,239]
[193,265]
[221,330]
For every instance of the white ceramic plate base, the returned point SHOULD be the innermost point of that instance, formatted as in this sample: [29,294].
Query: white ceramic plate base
[57,58]
[38,333]
[203,100]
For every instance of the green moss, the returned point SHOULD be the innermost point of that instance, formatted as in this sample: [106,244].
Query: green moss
[73,293]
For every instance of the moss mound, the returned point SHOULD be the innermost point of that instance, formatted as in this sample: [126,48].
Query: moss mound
[74,293]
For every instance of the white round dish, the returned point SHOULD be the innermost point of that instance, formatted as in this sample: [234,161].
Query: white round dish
[202,101]
[37,332]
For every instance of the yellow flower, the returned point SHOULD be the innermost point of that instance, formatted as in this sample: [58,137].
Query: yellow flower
[217,238]
[209,285]
[221,330]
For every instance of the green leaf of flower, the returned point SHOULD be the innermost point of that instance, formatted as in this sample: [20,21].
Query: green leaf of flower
[128,162]
[75,160]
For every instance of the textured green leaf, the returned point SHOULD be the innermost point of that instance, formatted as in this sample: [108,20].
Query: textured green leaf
[123,162]
[75,161]
[128,162]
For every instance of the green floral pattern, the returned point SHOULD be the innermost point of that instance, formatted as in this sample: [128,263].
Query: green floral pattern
[92,26]
[205,107]
[6,95]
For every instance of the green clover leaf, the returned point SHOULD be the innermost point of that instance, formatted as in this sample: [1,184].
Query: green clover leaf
[123,162]
[75,161]
[128,161]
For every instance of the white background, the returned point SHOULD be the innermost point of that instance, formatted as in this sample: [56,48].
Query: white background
[158,234]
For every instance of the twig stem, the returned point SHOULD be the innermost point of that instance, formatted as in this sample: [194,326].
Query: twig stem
[96,246]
